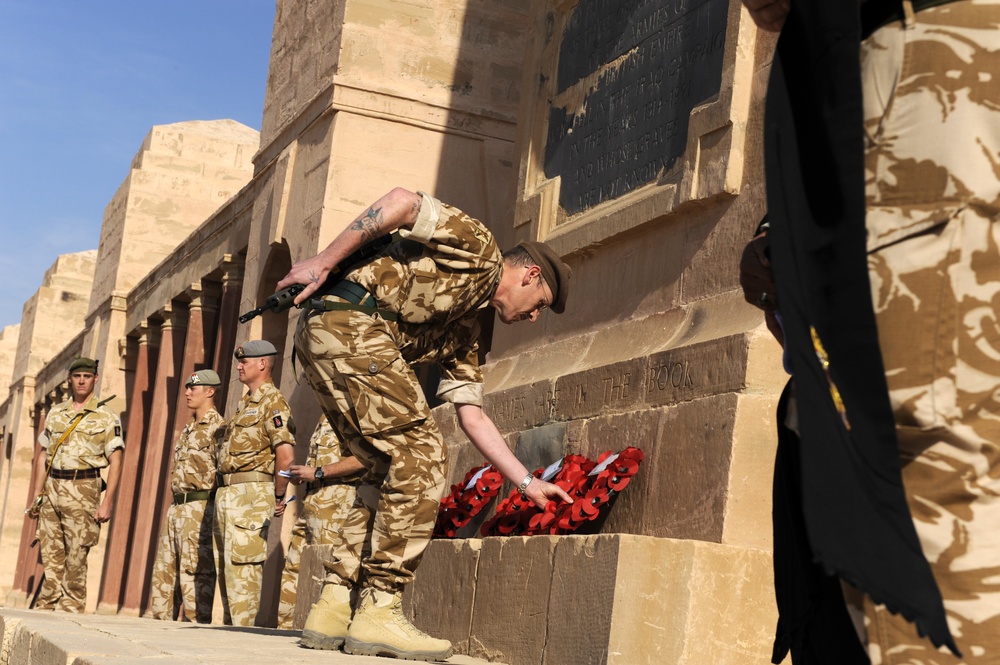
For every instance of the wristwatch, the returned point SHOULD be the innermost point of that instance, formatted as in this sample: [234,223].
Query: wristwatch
[523,487]
[319,475]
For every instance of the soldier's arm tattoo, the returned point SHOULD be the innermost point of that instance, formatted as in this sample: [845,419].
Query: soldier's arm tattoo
[369,225]
[313,277]
[414,211]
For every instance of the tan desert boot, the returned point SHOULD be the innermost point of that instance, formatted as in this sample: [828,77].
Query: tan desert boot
[326,625]
[380,629]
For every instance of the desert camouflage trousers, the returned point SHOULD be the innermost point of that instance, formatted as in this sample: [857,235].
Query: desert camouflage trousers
[375,403]
[184,572]
[243,515]
[319,520]
[66,532]
[932,103]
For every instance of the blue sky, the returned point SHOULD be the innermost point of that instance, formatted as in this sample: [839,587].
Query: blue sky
[81,84]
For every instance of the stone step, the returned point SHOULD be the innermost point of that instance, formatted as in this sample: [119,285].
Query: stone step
[56,638]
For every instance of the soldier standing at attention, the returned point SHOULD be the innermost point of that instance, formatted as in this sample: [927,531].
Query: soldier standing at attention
[184,572]
[332,479]
[81,437]
[257,440]
[417,301]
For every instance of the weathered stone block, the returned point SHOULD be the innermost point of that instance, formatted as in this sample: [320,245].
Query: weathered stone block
[520,408]
[512,599]
[615,387]
[748,505]
[686,373]
[732,615]
[440,601]
[682,484]
[609,600]
[584,574]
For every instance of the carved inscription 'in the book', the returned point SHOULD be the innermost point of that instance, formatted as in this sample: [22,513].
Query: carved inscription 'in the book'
[660,59]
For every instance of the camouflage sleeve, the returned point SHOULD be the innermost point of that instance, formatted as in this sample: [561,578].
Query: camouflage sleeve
[45,438]
[457,239]
[427,220]
[113,435]
[278,423]
[461,377]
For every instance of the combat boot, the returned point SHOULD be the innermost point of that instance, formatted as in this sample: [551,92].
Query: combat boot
[380,629]
[326,625]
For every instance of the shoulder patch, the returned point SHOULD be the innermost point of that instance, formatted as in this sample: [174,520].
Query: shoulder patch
[118,430]
[277,421]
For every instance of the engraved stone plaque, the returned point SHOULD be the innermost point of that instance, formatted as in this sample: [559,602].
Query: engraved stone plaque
[629,74]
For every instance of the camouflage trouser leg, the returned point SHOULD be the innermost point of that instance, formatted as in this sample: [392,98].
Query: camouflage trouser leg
[318,523]
[242,517]
[375,403]
[66,531]
[933,107]
[184,572]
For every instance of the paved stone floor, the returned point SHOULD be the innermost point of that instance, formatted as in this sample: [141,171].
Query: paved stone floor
[56,638]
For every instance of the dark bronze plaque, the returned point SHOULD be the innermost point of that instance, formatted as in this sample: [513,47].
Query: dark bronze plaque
[664,57]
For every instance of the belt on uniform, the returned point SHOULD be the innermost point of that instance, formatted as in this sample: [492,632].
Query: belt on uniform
[357,299]
[246,477]
[878,13]
[197,495]
[75,474]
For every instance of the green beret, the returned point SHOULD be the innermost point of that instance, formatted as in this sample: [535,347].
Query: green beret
[81,364]
[555,273]
[255,348]
[204,377]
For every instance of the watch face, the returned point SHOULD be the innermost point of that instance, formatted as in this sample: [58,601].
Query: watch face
[319,473]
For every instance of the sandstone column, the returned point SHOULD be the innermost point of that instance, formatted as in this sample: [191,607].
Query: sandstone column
[197,347]
[119,544]
[27,574]
[155,460]
[229,313]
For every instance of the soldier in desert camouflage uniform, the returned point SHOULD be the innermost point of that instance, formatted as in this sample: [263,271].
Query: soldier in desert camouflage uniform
[931,100]
[184,572]
[71,509]
[258,443]
[416,302]
[933,196]
[332,479]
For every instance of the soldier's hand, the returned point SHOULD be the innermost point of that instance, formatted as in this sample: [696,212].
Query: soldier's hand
[103,513]
[769,15]
[35,507]
[310,273]
[300,473]
[757,281]
[542,492]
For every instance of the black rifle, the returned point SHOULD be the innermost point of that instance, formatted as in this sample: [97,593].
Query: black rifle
[283,299]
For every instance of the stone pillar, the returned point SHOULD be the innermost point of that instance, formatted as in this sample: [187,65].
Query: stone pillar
[202,313]
[143,360]
[28,573]
[155,460]
[229,313]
